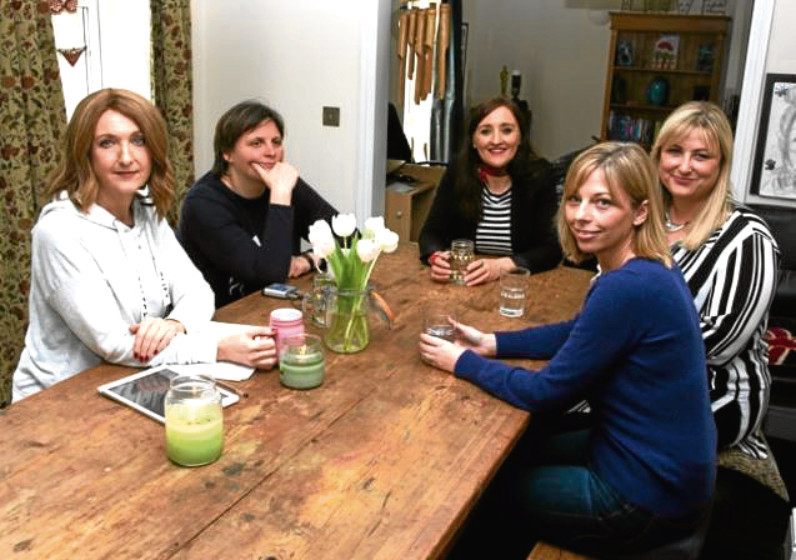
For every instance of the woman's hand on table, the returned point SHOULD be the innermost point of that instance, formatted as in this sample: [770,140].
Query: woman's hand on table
[482,271]
[299,265]
[438,352]
[472,339]
[152,336]
[254,347]
[440,266]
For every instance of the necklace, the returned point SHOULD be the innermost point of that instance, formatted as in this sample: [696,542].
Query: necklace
[670,226]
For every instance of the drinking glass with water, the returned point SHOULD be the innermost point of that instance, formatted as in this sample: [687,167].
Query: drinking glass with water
[437,322]
[461,255]
[513,289]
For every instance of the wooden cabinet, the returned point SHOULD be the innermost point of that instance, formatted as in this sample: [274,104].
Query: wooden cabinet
[409,199]
[657,62]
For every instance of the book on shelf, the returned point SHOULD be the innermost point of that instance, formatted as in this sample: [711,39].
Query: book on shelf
[664,53]
[626,128]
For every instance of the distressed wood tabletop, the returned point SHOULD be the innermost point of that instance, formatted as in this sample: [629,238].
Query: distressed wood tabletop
[384,460]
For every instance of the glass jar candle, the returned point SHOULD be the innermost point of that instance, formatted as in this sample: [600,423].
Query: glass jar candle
[194,421]
[301,362]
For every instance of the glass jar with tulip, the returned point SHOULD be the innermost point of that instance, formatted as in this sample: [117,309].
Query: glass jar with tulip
[351,262]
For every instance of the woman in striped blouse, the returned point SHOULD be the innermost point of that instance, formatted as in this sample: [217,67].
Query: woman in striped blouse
[729,259]
[497,195]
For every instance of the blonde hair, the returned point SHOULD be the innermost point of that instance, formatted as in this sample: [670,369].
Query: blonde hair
[716,132]
[75,173]
[627,168]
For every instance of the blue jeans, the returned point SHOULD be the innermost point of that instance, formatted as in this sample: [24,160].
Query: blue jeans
[567,503]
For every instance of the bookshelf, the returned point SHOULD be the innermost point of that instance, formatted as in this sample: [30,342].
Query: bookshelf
[656,62]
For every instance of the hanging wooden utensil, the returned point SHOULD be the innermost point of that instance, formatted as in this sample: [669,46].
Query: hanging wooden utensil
[428,50]
[410,41]
[442,47]
[420,36]
[403,24]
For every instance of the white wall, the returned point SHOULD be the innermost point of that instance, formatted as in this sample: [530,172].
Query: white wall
[772,51]
[561,49]
[298,57]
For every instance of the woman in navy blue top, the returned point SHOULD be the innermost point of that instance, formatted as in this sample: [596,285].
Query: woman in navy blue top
[643,473]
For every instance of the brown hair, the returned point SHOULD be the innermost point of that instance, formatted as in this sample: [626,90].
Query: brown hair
[237,121]
[468,183]
[627,168]
[75,173]
[716,131]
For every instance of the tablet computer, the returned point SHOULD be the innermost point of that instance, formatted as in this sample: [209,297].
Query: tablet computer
[144,391]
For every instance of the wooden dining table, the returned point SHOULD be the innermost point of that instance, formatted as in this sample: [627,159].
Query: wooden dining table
[384,460]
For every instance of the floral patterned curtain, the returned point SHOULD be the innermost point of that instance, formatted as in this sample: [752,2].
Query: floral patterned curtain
[173,85]
[32,120]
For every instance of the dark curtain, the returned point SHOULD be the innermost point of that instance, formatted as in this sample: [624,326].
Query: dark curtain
[33,117]
[173,85]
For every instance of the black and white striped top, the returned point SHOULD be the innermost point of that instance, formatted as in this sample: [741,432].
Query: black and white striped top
[493,233]
[733,277]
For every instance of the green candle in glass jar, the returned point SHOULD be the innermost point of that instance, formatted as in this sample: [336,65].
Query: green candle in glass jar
[301,362]
[194,421]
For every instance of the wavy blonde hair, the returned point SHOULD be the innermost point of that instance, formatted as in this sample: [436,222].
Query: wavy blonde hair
[716,132]
[627,168]
[75,175]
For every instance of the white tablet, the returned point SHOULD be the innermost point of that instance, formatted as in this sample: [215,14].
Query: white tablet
[144,391]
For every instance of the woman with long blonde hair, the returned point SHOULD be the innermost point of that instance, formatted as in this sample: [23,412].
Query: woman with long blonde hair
[109,281]
[729,259]
[642,474]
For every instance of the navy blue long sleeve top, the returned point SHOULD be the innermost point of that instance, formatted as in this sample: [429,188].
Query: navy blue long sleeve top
[635,352]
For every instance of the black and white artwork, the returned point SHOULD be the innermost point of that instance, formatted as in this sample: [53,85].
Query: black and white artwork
[774,172]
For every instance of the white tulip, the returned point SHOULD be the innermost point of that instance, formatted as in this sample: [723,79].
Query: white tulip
[367,249]
[373,226]
[387,240]
[320,231]
[344,224]
[324,247]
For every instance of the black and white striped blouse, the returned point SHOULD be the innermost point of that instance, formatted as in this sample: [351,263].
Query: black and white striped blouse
[493,233]
[733,277]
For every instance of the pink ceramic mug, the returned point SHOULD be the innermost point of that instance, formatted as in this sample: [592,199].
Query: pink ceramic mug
[286,322]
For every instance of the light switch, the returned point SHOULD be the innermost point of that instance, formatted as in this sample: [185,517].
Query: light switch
[331,116]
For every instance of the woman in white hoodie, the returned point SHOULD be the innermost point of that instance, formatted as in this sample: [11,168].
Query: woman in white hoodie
[109,280]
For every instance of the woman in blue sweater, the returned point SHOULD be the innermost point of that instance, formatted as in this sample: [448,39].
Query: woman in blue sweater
[643,473]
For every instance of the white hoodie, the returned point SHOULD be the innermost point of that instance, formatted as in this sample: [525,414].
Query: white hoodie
[91,278]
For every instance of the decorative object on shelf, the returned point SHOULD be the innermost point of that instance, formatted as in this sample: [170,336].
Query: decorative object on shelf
[504,80]
[347,329]
[701,93]
[657,5]
[774,167]
[72,55]
[705,58]
[684,6]
[714,6]
[619,90]
[664,54]
[58,6]
[658,91]
[624,53]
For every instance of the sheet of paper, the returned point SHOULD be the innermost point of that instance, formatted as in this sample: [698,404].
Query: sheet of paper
[226,371]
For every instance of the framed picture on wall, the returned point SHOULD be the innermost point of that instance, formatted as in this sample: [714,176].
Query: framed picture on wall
[774,166]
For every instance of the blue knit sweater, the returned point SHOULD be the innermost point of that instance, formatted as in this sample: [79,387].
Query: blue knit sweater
[635,352]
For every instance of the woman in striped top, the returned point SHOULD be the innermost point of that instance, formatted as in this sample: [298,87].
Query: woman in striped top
[729,259]
[497,195]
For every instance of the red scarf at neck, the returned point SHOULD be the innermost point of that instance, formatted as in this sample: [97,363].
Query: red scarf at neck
[485,171]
